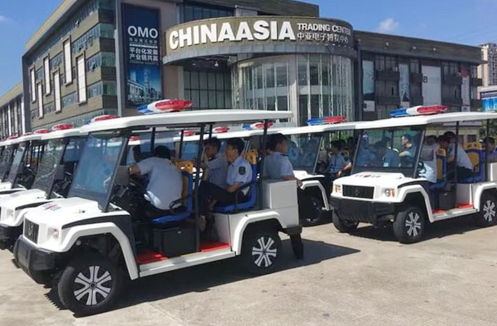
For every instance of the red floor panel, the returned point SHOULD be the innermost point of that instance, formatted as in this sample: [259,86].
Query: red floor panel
[465,206]
[150,257]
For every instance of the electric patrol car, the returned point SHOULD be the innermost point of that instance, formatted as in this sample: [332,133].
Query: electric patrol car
[29,150]
[9,148]
[52,181]
[88,242]
[394,190]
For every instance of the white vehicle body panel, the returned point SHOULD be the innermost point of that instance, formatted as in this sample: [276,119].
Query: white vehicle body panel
[10,215]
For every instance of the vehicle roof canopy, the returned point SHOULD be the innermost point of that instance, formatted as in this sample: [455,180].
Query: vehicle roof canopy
[59,134]
[422,120]
[187,119]
[322,128]
[27,138]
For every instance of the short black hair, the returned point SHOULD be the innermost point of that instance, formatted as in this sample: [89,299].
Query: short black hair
[444,138]
[338,144]
[213,142]
[409,137]
[489,140]
[237,143]
[162,152]
[450,135]
[380,144]
[274,140]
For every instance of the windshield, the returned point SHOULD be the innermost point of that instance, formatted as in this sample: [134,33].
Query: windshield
[48,166]
[303,151]
[97,166]
[393,150]
[5,161]
[17,163]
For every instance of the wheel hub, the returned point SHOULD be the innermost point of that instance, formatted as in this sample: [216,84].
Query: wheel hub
[92,285]
[413,224]
[263,253]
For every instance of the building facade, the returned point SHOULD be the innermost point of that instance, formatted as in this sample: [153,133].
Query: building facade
[94,57]
[12,117]
[488,70]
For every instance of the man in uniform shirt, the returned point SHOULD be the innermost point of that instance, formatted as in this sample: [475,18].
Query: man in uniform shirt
[337,160]
[239,174]
[165,185]
[387,158]
[217,164]
[462,162]
[277,165]
[489,144]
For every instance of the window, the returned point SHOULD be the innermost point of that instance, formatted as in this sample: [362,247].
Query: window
[102,59]
[56,61]
[33,85]
[40,100]
[197,12]
[67,61]
[87,40]
[56,82]
[387,63]
[46,65]
[81,79]
[208,90]
[414,66]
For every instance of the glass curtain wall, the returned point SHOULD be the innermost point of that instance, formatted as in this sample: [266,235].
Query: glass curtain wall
[324,85]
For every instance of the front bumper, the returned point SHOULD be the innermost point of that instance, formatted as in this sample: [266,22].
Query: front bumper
[34,261]
[361,211]
[10,234]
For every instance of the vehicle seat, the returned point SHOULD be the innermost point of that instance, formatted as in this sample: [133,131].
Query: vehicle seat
[252,158]
[182,208]
[476,155]
[441,170]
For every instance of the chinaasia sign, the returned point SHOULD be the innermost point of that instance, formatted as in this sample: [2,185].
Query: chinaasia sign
[142,55]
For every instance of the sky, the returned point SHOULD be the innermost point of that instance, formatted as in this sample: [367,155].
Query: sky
[460,21]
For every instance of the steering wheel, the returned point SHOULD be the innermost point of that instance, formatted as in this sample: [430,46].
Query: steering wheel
[137,183]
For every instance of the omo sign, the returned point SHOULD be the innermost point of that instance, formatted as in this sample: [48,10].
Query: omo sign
[258,31]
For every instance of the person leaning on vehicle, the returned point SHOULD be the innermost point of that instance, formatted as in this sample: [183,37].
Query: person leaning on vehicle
[277,166]
[165,185]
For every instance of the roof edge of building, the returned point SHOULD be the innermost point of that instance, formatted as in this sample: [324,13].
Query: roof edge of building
[11,94]
[358,32]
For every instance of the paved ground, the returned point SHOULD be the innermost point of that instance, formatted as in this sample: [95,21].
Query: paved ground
[364,279]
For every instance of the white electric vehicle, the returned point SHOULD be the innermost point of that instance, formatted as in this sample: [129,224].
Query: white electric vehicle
[9,148]
[88,242]
[389,178]
[305,146]
[22,170]
[53,178]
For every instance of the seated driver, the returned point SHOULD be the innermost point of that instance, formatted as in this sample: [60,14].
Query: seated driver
[165,185]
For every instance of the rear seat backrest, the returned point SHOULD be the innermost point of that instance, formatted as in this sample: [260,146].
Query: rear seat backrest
[441,164]
[475,153]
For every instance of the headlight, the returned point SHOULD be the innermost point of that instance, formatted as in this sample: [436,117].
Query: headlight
[55,234]
[389,192]
[337,189]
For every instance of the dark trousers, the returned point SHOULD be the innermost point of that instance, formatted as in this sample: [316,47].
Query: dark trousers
[210,192]
[305,203]
[153,212]
[462,173]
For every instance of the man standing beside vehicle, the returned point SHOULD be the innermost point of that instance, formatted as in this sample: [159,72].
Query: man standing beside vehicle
[165,185]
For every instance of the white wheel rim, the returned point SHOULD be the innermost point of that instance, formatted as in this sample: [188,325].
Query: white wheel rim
[489,211]
[264,252]
[92,288]
[413,224]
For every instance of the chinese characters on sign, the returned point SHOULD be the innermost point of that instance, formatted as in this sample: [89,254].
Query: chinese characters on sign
[143,61]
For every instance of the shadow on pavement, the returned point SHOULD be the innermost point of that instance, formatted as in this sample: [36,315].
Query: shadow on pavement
[202,278]
[437,230]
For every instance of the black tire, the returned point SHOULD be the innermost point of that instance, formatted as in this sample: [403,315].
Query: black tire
[342,225]
[261,250]
[488,211]
[316,213]
[409,225]
[90,285]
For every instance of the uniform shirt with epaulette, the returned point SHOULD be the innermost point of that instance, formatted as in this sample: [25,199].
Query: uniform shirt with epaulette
[277,166]
[239,171]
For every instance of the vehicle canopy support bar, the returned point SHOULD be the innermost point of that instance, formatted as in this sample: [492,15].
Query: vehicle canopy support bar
[197,184]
